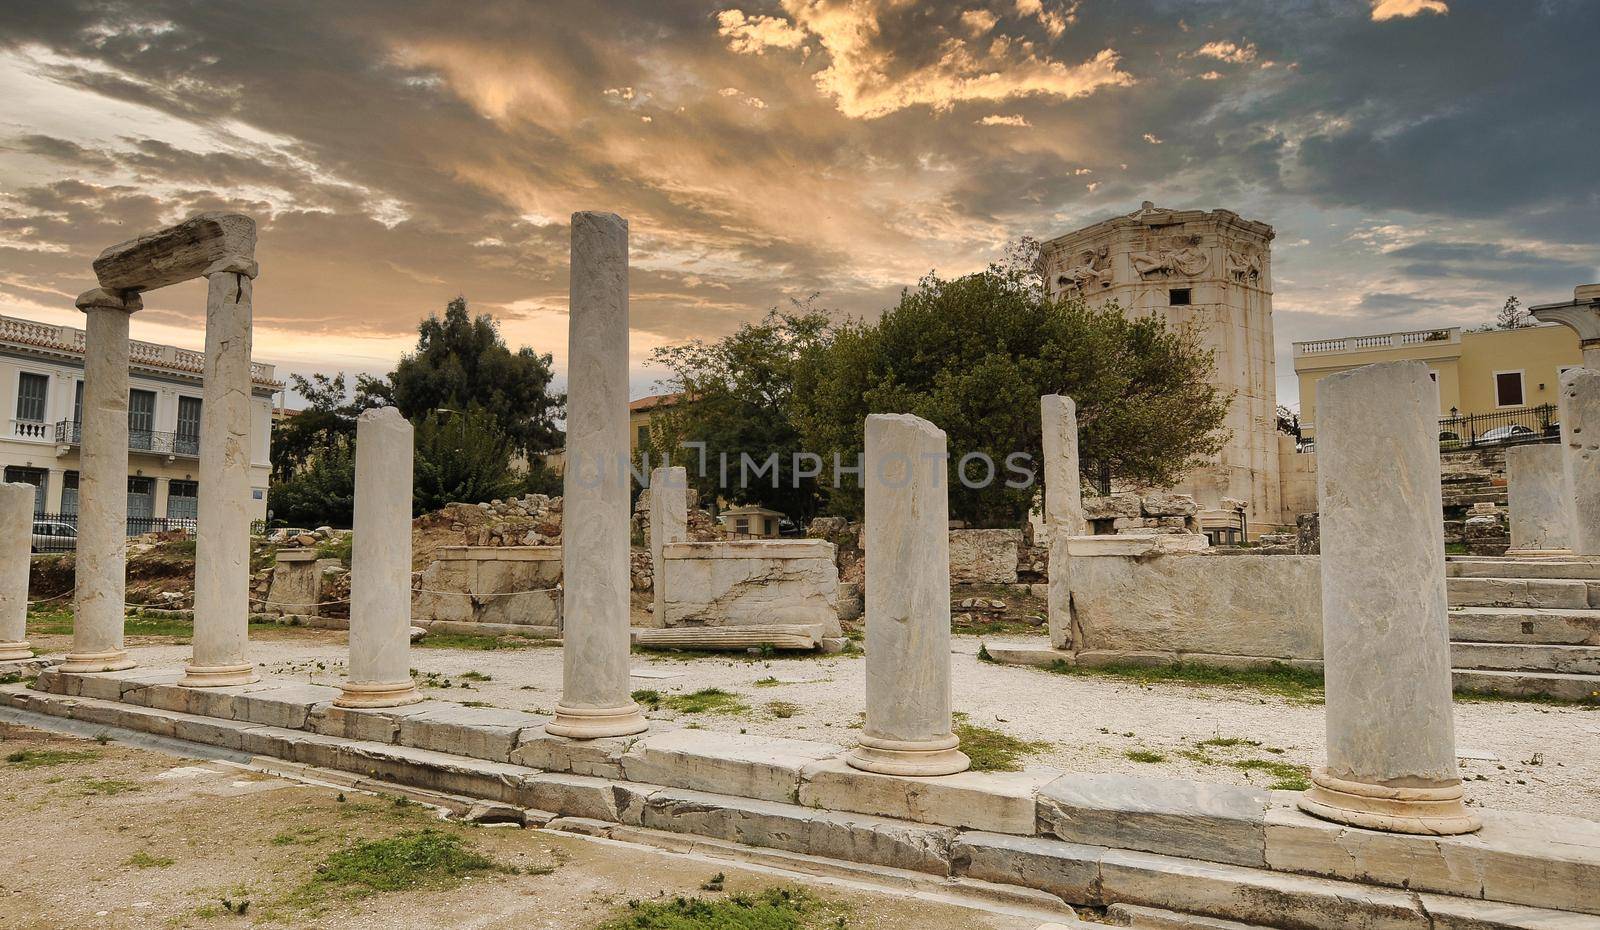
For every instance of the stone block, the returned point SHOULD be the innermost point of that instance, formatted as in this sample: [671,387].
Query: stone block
[280,705]
[375,726]
[1068,870]
[754,582]
[1112,506]
[1216,823]
[1168,505]
[1139,546]
[1449,913]
[984,556]
[1517,858]
[879,840]
[480,732]
[584,796]
[436,771]
[601,758]
[1155,918]
[997,802]
[760,767]
[1254,896]
[176,253]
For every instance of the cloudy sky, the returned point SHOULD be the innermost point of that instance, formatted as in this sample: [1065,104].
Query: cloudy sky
[1420,159]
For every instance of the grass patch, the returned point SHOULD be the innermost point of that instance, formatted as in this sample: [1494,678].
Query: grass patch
[417,859]
[339,548]
[1488,697]
[143,860]
[106,786]
[993,751]
[772,909]
[1274,678]
[1286,776]
[1143,755]
[475,676]
[705,701]
[476,641]
[53,622]
[768,682]
[39,758]
[783,710]
[648,698]
[1228,741]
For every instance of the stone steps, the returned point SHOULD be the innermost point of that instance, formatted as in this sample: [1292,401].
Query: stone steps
[1214,851]
[1525,625]
[1499,591]
[1551,568]
[1527,684]
[1527,657]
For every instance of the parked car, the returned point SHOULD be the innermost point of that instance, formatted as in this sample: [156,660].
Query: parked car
[54,536]
[1513,433]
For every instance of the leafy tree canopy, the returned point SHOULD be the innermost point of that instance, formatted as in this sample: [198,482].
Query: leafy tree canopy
[329,417]
[461,361]
[460,457]
[321,492]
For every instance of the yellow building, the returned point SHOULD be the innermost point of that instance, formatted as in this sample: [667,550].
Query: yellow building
[1507,372]
[639,414]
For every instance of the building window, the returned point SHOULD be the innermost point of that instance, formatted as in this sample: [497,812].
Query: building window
[32,390]
[188,439]
[1433,376]
[141,418]
[69,493]
[77,403]
[1180,297]
[741,525]
[183,501]
[38,477]
[644,435]
[1508,388]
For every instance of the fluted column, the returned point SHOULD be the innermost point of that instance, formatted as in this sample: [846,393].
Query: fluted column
[1579,405]
[380,565]
[1386,642]
[100,581]
[907,729]
[222,536]
[16,529]
[595,698]
[669,523]
[1063,508]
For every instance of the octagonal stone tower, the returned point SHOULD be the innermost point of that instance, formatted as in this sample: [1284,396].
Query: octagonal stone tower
[1212,269]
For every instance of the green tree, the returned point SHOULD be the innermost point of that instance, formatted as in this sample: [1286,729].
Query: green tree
[460,457]
[740,396]
[974,354]
[322,492]
[328,418]
[460,362]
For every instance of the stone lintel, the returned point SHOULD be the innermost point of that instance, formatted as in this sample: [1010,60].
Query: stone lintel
[296,555]
[498,553]
[750,549]
[1137,545]
[203,244]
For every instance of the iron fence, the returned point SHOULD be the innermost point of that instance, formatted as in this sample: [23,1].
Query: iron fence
[58,532]
[1529,424]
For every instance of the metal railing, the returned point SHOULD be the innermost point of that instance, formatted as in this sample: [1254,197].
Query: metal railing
[1528,424]
[58,532]
[70,432]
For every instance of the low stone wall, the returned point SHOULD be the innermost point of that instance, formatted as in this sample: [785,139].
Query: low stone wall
[750,583]
[506,585]
[984,556]
[1172,606]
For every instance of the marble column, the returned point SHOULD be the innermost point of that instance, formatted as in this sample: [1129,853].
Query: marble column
[669,523]
[380,565]
[595,699]
[100,582]
[222,536]
[907,730]
[1579,404]
[1536,496]
[1386,642]
[1063,508]
[16,529]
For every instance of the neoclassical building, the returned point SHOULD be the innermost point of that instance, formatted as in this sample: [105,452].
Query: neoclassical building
[1211,269]
[41,392]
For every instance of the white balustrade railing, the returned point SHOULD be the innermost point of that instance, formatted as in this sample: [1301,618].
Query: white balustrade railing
[1380,341]
[31,429]
[71,339]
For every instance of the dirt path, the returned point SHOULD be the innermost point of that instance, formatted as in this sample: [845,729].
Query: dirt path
[114,837]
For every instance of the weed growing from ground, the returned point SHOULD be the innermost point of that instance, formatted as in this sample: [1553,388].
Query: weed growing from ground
[783,710]
[416,859]
[705,701]
[1297,684]
[38,758]
[992,750]
[1143,755]
[772,909]
[143,860]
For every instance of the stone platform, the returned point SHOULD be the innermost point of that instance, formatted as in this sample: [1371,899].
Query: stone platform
[1218,851]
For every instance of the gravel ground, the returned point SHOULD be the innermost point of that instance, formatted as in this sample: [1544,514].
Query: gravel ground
[1516,756]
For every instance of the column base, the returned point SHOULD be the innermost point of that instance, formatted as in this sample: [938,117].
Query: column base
[901,757]
[597,722]
[1424,811]
[373,694]
[218,676]
[15,652]
[114,660]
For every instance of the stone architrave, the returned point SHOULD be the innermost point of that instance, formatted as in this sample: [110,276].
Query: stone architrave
[16,529]
[1391,761]
[100,584]
[1579,403]
[595,699]
[907,729]
[380,565]
[1536,497]
[222,544]
[1063,508]
[669,523]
